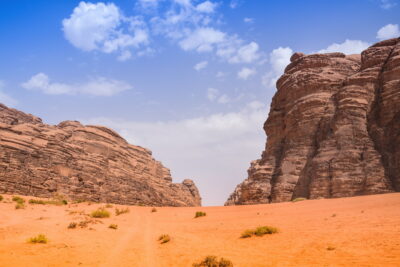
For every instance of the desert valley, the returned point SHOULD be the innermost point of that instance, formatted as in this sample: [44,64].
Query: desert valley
[103,191]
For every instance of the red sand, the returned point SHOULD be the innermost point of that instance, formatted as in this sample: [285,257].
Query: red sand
[361,231]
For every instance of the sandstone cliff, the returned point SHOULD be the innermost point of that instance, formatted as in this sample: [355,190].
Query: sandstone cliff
[333,129]
[82,163]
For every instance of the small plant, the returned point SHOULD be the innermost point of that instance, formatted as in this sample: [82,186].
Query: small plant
[100,213]
[109,206]
[36,201]
[1,198]
[57,202]
[19,206]
[72,225]
[121,211]
[39,239]
[330,248]
[299,199]
[259,231]
[212,261]
[113,226]
[164,239]
[18,199]
[200,214]
[153,210]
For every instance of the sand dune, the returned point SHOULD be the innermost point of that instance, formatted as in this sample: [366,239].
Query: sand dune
[359,231]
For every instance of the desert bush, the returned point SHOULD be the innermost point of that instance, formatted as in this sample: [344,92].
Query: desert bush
[212,261]
[113,226]
[18,199]
[19,206]
[36,201]
[299,199]
[153,210]
[72,225]
[57,202]
[200,214]
[121,211]
[109,206]
[1,198]
[164,239]
[41,239]
[259,231]
[100,213]
[330,248]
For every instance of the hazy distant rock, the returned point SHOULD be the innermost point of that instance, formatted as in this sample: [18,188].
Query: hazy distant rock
[333,129]
[83,163]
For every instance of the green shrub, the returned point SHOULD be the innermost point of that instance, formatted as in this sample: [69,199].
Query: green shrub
[299,199]
[200,214]
[259,231]
[121,211]
[113,226]
[19,206]
[1,198]
[36,201]
[18,199]
[40,239]
[164,239]
[100,213]
[212,261]
[72,225]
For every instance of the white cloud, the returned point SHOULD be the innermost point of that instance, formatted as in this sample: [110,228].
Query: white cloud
[388,31]
[212,94]
[234,4]
[5,98]
[215,95]
[279,59]
[387,4]
[224,99]
[248,20]
[201,65]
[202,40]
[216,149]
[98,86]
[206,7]
[246,73]
[347,47]
[102,27]
[220,74]
[235,53]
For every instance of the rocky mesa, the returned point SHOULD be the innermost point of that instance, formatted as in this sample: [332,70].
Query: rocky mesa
[333,129]
[91,163]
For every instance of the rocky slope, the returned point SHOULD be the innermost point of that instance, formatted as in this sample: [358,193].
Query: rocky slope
[82,163]
[333,129]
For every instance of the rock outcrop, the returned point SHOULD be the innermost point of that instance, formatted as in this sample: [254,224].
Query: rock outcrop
[333,129]
[82,163]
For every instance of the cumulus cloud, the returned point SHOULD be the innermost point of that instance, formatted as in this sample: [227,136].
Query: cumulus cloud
[5,98]
[388,31]
[216,149]
[246,73]
[387,4]
[347,47]
[202,40]
[201,65]
[206,7]
[214,95]
[98,86]
[279,59]
[102,27]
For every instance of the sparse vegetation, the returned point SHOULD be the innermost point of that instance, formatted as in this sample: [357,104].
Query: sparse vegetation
[334,215]
[72,225]
[121,211]
[1,198]
[212,261]
[36,201]
[100,213]
[330,248]
[259,231]
[39,239]
[19,206]
[200,214]
[164,239]
[19,200]
[113,226]
[109,206]
[299,199]
[57,202]
[153,210]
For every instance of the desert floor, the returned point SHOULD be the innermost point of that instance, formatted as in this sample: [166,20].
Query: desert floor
[359,231]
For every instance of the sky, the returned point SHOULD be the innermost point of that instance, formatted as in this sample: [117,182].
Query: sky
[191,80]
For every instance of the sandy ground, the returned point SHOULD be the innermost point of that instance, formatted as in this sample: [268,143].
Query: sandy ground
[360,231]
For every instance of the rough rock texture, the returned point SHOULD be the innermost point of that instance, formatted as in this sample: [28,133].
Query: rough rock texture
[82,163]
[333,129]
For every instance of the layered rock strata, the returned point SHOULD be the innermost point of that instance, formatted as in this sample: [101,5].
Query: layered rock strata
[81,162]
[333,129]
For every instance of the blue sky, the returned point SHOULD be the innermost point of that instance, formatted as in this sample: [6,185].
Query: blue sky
[190,80]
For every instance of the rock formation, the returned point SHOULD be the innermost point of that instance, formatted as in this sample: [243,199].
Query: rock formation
[333,129]
[82,163]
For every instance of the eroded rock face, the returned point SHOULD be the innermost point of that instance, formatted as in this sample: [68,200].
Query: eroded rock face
[82,163]
[333,129]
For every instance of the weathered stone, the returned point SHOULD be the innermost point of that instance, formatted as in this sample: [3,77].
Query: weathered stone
[333,129]
[82,163]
